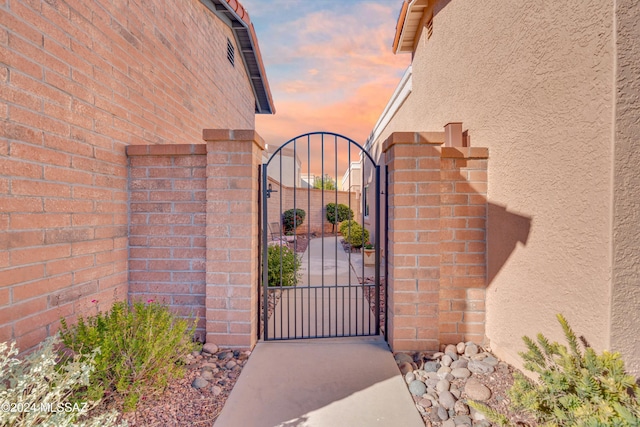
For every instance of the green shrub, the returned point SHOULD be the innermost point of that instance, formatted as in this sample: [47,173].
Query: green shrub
[141,349]
[344,226]
[283,264]
[338,214]
[574,388]
[47,389]
[356,235]
[291,219]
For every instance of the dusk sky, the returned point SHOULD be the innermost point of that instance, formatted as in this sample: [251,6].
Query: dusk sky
[329,64]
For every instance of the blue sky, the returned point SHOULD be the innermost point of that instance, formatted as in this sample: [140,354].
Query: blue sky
[329,64]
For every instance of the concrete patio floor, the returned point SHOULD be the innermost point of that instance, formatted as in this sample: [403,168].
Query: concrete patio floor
[334,382]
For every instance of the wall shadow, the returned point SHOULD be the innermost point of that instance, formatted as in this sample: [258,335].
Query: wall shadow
[505,229]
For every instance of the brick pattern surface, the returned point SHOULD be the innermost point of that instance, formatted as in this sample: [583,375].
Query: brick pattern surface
[81,80]
[167,243]
[437,242]
[233,159]
[311,201]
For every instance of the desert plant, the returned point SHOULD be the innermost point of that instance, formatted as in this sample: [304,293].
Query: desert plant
[338,213]
[344,226]
[283,265]
[141,348]
[37,391]
[574,387]
[356,235]
[292,218]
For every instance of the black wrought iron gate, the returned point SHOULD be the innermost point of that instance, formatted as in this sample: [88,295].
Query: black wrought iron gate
[320,215]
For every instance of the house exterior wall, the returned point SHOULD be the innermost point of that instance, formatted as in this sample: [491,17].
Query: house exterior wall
[625,316]
[81,80]
[533,83]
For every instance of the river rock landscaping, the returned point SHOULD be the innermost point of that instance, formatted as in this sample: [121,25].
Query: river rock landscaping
[441,383]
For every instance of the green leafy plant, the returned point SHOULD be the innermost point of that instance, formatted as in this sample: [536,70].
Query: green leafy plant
[356,235]
[141,348]
[37,391]
[368,245]
[338,213]
[325,183]
[574,387]
[344,226]
[292,219]
[283,265]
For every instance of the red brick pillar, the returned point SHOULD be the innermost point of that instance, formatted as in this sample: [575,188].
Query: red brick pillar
[233,157]
[413,276]
[463,210]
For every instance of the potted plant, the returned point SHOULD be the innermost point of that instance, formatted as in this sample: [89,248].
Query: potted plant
[369,252]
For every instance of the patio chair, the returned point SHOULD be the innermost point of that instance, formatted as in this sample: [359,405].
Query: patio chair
[275,230]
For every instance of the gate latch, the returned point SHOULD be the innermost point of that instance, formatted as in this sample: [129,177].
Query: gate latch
[270,190]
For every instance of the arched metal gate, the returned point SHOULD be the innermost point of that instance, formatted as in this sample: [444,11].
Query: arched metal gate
[319,280]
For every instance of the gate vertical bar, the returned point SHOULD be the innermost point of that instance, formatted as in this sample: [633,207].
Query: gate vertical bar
[386,249]
[265,255]
[377,262]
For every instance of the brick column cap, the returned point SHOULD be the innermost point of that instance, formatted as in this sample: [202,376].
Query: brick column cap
[211,135]
[465,152]
[166,150]
[429,138]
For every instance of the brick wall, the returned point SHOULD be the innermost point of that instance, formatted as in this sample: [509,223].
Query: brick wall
[436,274]
[81,80]
[311,201]
[167,243]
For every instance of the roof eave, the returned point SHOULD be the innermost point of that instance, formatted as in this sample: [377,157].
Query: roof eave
[408,27]
[247,40]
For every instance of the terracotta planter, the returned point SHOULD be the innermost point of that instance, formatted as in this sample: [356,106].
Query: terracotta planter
[369,256]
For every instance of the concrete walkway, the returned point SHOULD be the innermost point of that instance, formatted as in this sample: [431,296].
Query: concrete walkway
[328,300]
[350,382]
[325,382]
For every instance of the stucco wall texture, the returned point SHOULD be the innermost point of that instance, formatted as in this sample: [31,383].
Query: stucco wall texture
[81,80]
[534,82]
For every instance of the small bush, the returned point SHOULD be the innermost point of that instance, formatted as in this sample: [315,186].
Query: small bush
[141,349]
[291,219]
[339,213]
[283,264]
[46,389]
[344,226]
[356,235]
[574,388]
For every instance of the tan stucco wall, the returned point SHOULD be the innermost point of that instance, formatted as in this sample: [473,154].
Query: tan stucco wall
[625,308]
[533,83]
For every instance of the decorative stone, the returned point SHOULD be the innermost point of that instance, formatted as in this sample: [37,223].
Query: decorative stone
[446,360]
[443,385]
[216,390]
[457,393]
[462,420]
[438,355]
[442,413]
[230,364]
[450,349]
[460,373]
[425,403]
[476,390]
[432,382]
[206,374]
[461,408]
[431,366]
[471,350]
[199,383]
[409,376]
[460,348]
[403,358]
[210,348]
[460,363]
[446,399]
[479,367]
[453,355]
[490,360]
[405,368]
[449,423]
[417,388]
